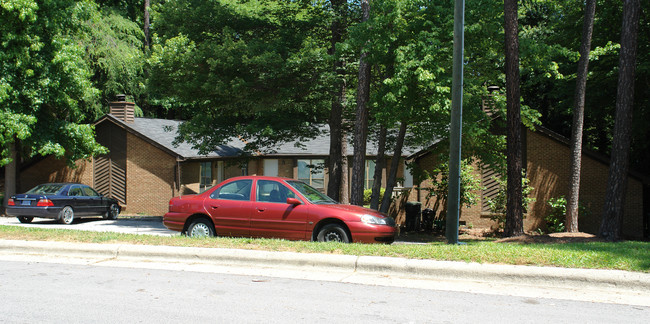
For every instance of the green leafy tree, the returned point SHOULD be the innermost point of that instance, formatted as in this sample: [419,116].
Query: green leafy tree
[612,223]
[408,45]
[470,187]
[114,54]
[578,117]
[46,92]
[255,69]
[514,154]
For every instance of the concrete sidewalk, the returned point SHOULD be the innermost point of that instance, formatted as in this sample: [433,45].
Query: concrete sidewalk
[635,286]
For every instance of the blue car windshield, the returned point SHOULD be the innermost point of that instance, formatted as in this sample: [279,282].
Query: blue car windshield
[313,195]
[46,189]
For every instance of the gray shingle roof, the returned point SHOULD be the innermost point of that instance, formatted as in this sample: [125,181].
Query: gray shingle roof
[164,131]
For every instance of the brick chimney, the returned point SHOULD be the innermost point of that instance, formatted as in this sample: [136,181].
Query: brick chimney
[122,109]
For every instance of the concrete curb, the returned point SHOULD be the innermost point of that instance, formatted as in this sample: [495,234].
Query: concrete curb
[400,267]
[514,274]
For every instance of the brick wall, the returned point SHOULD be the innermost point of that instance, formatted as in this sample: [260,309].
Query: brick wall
[190,177]
[285,168]
[470,216]
[51,169]
[548,170]
[150,178]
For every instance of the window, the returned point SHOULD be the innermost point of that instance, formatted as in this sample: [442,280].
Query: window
[312,172]
[220,169]
[313,195]
[244,168]
[408,177]
[75,191]
[46,189]
[273,191]
[88,191]
[369,177]
[206,176]
[271,167]
[236,190]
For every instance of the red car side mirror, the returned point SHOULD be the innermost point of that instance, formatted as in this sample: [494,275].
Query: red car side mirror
[293,201]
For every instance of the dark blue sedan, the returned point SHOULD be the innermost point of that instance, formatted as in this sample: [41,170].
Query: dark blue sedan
[61,201]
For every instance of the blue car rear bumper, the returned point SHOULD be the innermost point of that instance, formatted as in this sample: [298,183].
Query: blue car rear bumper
[43,212]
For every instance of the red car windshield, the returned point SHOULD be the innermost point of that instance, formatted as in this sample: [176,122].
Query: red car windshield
[46,189]
[314,196]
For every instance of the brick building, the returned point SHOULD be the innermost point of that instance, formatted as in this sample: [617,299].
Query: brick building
[144,168]
[546,156]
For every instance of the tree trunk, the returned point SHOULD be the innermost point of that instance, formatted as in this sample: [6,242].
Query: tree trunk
[394,164]
[11,172]
[379,168]
[578,118]
[336,114]
[345,170]
[514,213]
[361,122]
[611,225]
[147,43]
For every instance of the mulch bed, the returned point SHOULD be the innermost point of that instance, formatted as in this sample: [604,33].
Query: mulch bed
[478,235]
[552,238]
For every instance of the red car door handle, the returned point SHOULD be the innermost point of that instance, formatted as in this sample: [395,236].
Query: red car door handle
[261,209]
[214,206]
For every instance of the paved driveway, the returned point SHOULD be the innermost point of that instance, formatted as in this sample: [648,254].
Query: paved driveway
[132,225]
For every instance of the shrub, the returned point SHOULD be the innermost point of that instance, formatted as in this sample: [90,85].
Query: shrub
[498,204]
[470,186]
[367,194]
[555,220]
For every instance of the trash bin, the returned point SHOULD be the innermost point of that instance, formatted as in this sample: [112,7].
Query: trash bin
[412,215]
[427,219]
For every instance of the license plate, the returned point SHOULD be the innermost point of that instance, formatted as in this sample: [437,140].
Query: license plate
[26,203]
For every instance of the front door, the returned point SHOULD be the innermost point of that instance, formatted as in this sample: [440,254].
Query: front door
[273,217]
[96,205]
[81,203]
[230,207]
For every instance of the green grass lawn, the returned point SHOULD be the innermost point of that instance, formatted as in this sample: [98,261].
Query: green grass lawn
[629,255]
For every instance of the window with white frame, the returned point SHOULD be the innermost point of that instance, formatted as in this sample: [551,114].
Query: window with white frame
[271,167]
[369,177]
[312,172]
[220,171]
[408,177]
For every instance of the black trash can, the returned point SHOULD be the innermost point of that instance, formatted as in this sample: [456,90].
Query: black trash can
[412,215]
[427,219]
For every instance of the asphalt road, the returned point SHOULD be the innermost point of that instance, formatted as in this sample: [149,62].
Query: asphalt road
[39,292]
[578,285]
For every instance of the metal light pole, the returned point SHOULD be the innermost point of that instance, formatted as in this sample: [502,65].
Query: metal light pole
[456,129]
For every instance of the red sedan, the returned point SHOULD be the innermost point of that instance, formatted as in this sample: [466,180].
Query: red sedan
[272,207]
